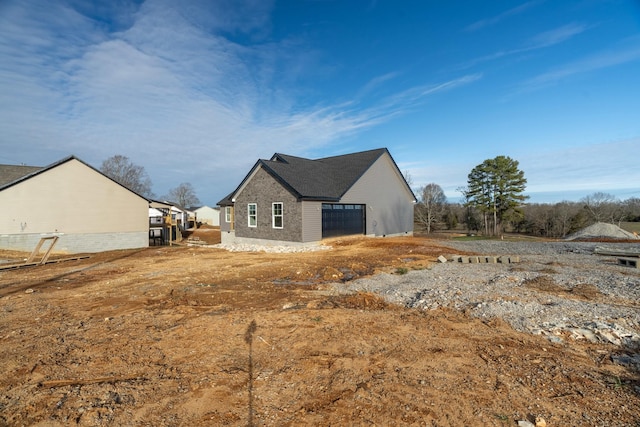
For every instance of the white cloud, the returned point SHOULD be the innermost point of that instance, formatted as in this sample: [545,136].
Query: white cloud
[595,167]
[574,172]
[376,82]
[557,35]
[165,88]
[487,22]
[601,60]
[413,96]
[539,41]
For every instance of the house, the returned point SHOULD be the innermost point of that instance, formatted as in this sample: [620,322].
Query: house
[160,223]
[168,222]
[182,218]
[298,201]
[85,209]
[208,215]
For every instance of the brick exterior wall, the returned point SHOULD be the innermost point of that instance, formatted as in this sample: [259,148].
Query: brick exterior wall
[264,190]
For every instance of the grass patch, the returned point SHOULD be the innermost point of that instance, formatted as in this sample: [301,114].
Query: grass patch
[470,238]
[503,418]
[508,237]
[631,227]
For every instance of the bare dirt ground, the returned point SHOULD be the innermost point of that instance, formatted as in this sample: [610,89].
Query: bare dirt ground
[195,336]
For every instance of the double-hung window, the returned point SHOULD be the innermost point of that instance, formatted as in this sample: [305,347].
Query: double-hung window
[227,213]
[276,215]
[252,214]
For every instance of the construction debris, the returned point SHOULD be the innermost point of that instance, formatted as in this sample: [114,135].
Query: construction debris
[36,251]
[484,259]
[629,262]
[601,250]
[35,264]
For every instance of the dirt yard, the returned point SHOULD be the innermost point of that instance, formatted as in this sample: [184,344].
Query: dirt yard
[195,336]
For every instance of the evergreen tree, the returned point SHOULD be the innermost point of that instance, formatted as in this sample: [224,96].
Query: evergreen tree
[495,189]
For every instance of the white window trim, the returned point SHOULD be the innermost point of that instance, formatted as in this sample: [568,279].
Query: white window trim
[255,215]
[227,213]
[273,215]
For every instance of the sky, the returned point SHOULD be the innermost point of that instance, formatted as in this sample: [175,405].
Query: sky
[197,91]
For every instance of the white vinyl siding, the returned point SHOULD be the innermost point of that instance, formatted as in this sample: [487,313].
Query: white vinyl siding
[252,215]
[277,215]
[78,203]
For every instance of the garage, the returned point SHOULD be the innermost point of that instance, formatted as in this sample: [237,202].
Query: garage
[342,219]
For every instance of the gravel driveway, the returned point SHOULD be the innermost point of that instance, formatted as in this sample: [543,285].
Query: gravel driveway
[557,289]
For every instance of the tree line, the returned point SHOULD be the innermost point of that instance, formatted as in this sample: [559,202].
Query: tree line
[493,203]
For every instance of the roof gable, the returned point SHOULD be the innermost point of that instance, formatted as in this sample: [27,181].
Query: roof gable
[39,170]
[325,179]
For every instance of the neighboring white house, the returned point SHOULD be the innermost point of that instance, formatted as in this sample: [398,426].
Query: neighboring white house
[87,210]
[208,215]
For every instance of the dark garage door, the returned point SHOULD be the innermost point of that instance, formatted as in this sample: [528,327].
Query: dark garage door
[341,220]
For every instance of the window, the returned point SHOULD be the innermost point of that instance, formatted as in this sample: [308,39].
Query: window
[276,215]
[252,214]
[227,213]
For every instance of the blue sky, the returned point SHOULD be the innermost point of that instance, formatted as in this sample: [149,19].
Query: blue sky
[197,91]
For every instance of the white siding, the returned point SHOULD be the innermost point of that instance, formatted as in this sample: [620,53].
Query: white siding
[74,200]
[208,215]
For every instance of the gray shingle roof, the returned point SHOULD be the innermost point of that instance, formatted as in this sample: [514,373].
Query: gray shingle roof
[11,173]
[326,179]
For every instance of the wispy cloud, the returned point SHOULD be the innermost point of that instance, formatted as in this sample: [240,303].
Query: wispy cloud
[487,22]
[557,35]
[539,41]
[590,167]
[594,62]
[376,82]
[168,85]
[415,95]
[564,173]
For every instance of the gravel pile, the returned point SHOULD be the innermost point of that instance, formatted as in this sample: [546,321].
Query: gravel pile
[559,289]
[602,230]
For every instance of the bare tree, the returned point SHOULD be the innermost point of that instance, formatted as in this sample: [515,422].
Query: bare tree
[408,178]
[632,209]
[602,207]
[431,205]
[122,170]
[184,195]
